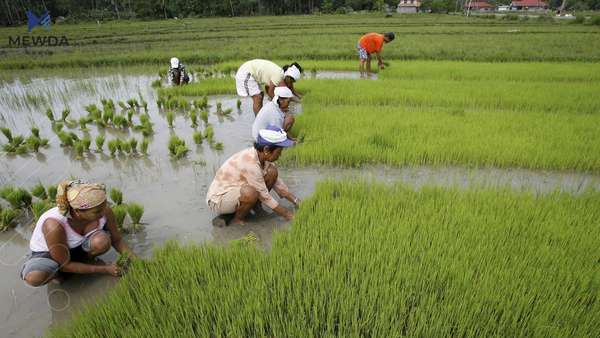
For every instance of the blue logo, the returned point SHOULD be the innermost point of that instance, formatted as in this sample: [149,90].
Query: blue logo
[43,20]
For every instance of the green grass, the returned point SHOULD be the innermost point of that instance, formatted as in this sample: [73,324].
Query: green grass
[363,259]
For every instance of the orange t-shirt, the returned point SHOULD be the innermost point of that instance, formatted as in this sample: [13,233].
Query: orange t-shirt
[371,42]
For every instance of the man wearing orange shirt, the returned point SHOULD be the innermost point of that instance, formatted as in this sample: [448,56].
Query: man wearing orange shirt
[371,43]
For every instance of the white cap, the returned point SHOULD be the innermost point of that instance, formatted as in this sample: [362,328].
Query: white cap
[274,136]
[294,72]
[174,63]
[282,91]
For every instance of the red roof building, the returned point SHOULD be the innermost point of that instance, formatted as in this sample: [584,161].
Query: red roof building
[529,5]
[480,6]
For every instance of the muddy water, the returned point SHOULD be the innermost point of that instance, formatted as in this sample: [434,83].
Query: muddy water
[172,192]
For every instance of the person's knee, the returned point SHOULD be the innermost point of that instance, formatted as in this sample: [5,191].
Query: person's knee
[37,278]
[248,194]
[271,175]
[99,243]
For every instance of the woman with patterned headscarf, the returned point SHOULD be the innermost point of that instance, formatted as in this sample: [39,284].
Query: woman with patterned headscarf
[69,236]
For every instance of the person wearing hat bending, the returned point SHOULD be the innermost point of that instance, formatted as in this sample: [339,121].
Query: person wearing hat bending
[177,74]
[81,227]
[245,179]
[255,73]
[372,43]
[275,113]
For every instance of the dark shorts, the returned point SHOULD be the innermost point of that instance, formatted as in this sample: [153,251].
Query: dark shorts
[42,261]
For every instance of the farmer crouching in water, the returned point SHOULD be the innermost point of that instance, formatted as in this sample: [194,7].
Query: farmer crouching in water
[244,181]
[254,73]
[275,113]
[71,234]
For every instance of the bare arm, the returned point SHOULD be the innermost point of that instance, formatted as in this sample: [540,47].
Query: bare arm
[115,235]
[270,89]
[56,238]
[379,60]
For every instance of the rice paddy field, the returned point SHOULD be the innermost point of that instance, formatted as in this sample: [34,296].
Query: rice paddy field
[454,193]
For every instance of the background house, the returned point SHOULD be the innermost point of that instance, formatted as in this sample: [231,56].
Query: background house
[479,6]
[529,5]
[408,6]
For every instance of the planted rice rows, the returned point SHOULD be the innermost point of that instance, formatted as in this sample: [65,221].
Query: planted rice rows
[363,259]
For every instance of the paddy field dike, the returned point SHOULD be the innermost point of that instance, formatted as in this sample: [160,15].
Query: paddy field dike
[455,193]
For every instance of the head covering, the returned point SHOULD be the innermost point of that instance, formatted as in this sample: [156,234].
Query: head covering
[174,63]
[282,91]
[390,36]
[79,195]
[273,136]
[294,72]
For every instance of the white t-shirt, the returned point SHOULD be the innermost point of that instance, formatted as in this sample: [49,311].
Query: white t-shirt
[264,71]
[269,115]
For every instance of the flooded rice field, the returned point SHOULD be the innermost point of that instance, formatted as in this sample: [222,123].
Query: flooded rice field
[172,191]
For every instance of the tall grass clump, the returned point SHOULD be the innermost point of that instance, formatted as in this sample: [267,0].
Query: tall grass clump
[177,147]
[365,259]
[116,196]
[135,211]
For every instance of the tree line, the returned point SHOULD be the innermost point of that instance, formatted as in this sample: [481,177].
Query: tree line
[13,12]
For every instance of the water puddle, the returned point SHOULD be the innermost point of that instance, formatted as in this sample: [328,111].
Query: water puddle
[172,192]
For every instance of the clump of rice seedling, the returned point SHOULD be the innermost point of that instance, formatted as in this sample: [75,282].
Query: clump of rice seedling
[170,118]
[7,219]
[197,136]
[135,212]
[125,146]
[156,84]
[87,142]
[39,191]
[100,142]
[217,146]
[202,103]
[35,131]
[123,261]
[34,143]
[120,212]
[116,196]
[57,127]
[64,114]
[226,111]
[133,145]
[113,147]
[40,207]
[18,198]
[7,133]
[6,191]
[177,147]
[204,116]
[52,189]
[122,104]
[130,116]
[65,139]
[160,102]
[133,103]
[239,104]
[144,146]
[50,115]
[145,105]
[209,134]
[219,108]
[108,115]
[194,118]
[79,148]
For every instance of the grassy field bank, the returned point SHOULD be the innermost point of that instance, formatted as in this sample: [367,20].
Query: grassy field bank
[332,37]
[370,260]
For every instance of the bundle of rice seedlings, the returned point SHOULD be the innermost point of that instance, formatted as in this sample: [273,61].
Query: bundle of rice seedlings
[35,131]
[197,136]
[177,147]
[122,104]
[7,219]
[52,189]
[219,107]
[133,145]
[100,142]
[65,113]
[39,191]
[83,121]
[123,261]
[87,142]
[217,146]
[135,212]
[50,115]
[79,149]
[156,84]
[194,118]
[120,211]
[65,138]
[116,196]
[7,133]
[209,134]
[6,191]
[112,147]
[204,116]
[125,147]
[57,127]
[145,105]
[18,198]
[144,146]
[170,118]
[239,104]
[40,207]
[130,116]
[34,143]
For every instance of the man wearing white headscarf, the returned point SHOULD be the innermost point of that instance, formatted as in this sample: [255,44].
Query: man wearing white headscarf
[254,74]
[275,113]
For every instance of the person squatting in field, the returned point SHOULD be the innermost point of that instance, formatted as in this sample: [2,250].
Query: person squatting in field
[177,74]
[243,182]
[255,73]
[68,237]
[368,44]
[275,113]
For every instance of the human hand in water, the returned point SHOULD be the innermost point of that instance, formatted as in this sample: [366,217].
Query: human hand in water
[113,269]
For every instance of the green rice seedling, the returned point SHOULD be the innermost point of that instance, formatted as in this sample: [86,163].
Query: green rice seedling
[73,136]
[50,115]
[130,117]
[65,138]
[133,103]
[116,196]
[122,104]
[52,192]
[22,149]
[145,118]
[7,133]
[226,111]
[145,105]
[204,116]
[239,104]
[18,198]
[197,136]
[6,191]
[79,149]
[35,131]
[177,147]
[160,102]
[93,112]
[120,212]
[217,146]
[108,115]
[71,123]
[123,261]
[40,207]
[39,191]
[219,108]
[194,118]
[183,103]
[7,219]
[209,134]
[119,121]
[133,145]
[57,127]
[100,142]
[162,73]
[113,147]
[64,114]
[83,121]
[34,143]
[170,118]
[87,142]
[171,103]
[135,212]
[9,148]
[125,147]
[144,146]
